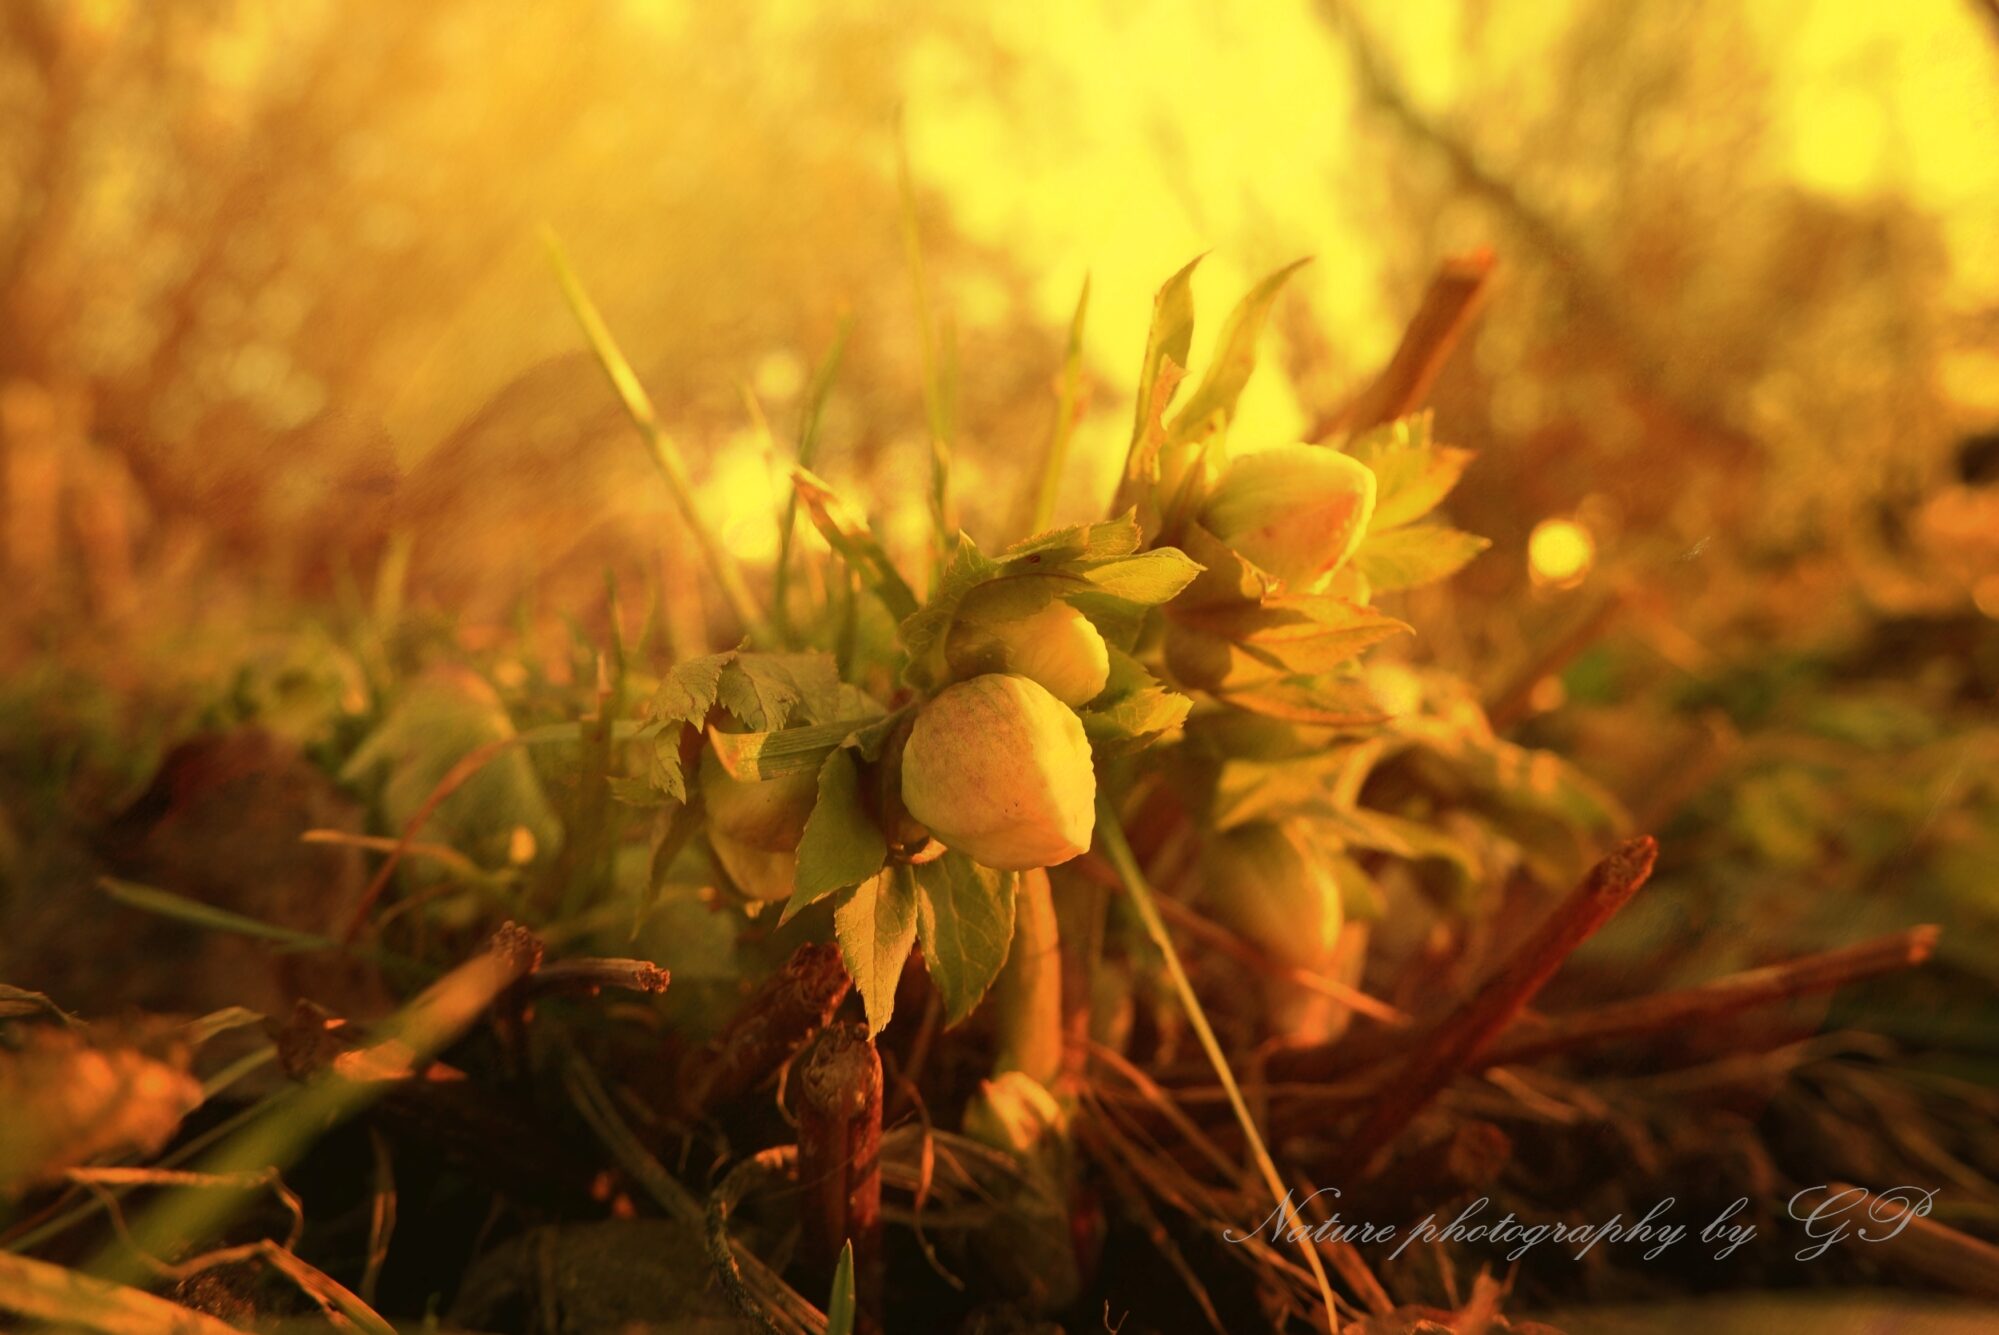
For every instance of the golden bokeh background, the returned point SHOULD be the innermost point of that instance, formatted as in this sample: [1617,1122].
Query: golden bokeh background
[277,318]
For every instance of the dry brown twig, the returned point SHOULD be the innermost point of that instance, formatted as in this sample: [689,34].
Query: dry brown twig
[1459,1041]
[1449,304]
[1704,1003]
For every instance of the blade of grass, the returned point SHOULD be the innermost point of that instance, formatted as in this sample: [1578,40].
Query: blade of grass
[195,913]
[73,1301]
[808,449]
[1068,403]
[275,1138]
[1111,834]
[936,403]
[840,1303]
[638,406]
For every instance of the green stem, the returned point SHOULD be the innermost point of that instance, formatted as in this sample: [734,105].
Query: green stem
[1110,834]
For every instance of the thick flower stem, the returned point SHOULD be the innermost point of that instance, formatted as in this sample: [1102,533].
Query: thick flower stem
[839,1105]
[1027,996]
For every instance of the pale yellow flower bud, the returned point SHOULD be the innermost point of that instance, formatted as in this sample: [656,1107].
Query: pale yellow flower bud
[999,769]
[1297,511]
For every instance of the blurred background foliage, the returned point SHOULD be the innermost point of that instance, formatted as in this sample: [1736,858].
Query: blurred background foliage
[277,336]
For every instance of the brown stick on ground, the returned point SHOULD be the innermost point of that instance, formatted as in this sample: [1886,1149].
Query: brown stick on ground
[839,1105]
[1458,1042]
[790,1004]
[1908,1240]
[1448,305]
[1706,1002]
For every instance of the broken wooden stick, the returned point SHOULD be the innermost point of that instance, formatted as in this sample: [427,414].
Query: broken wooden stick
[792,1003]
[1707,1002]
[1449,303]
[839,1107]
[1456,1044]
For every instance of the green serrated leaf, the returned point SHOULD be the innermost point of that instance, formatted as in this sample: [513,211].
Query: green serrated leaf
[663,768]
[763,689]
[1419,554]
[875,925]
[1235,358]
[1149,578]
[842,845]
[923,631]
[1295,636]
[964,914]
[1134,708]
[1328,702]
[690,689]
[1130,720]
[1412,473]
[1106,537]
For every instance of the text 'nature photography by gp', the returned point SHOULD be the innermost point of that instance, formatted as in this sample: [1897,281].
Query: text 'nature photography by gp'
[999,669]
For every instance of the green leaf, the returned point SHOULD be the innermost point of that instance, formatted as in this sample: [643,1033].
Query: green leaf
[875,925]
[846,530]
[663,769]
[1419,554]
[1105,538]
[1235,357]
[1134,719]
[1412,473]
[1133,709]
[840,1302]
[690,690]
[763,689]
[964,913]
[1329,702]
[923,630]
[842,845]
[1296,636]
[1361,900]
[774,755]
[1168,340]
[1149,578]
